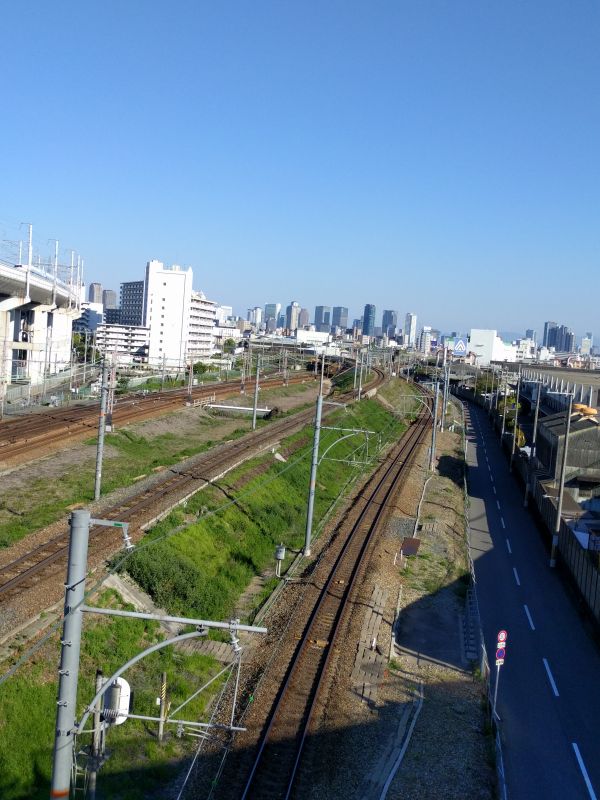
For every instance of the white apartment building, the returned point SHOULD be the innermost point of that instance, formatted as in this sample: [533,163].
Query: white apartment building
[124,344]
[201,340]
[167,305]
[425,339]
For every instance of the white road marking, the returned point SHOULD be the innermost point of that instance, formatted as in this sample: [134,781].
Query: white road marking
[516,574]
[498,504]
[494,489]
[502,521]
[508,547]
[531,625]
[586,777]
[491,476]
[490,469]
[550,678]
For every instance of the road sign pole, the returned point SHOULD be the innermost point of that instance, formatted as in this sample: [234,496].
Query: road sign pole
[496,691]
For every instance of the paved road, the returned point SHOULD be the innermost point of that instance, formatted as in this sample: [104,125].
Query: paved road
[549,690]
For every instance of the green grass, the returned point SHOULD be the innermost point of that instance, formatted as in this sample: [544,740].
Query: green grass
[28,703]
[203,569]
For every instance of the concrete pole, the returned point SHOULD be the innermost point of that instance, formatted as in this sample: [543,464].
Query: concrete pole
[101,430]
[515,424]
[533,441]
[191,379]
[313,475]
[69,654]
[355,370]
[255,393]
[561,488]
[491,392]
[504,411]
[360,376]
[96,741]
[433,430]
[163,706]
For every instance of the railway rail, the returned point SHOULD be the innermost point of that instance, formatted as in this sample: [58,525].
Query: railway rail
[276,765]
[44,431]
[47,558]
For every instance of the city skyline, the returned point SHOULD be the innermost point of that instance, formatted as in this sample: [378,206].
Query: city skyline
[449,154]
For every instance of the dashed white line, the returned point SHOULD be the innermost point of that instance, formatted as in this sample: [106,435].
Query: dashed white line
[494,489]
[508,547]
[498,504]
[531,625]
[502,521]
[491,476]
[550,678]
[586,777]
[516,574]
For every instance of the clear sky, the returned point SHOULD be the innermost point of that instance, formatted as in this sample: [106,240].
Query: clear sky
[426,156]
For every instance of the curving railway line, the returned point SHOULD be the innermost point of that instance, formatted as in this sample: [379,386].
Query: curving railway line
[28,435]
[140,511]
[275,770]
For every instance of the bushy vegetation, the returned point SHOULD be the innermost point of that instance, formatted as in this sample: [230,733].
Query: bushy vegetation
[203,569]
[28,707]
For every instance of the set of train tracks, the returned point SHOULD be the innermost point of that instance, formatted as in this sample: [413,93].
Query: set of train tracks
[27,436]
[275,769]
[47,559]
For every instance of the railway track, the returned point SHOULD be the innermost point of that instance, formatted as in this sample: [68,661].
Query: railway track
[275,768]
[43,561]
[43,431]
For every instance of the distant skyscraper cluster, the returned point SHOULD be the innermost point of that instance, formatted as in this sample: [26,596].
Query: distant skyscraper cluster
[560,337]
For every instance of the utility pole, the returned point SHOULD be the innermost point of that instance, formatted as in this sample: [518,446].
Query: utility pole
[515,423]
[163,706]
[69,654]
[533,441]
[561,488]
[190,380]
[360,376]
[101,430]
[255,392]
[504,411]
[313,466]
[96,740]
[355,370]
[491,393]
[433,430]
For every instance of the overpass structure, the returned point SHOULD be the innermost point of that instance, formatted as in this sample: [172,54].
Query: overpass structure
[38,304]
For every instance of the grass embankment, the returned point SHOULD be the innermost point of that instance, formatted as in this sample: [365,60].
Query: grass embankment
[129,455]
[203,569]
[137,763]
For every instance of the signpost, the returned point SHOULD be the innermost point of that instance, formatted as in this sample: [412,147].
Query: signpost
[500,656]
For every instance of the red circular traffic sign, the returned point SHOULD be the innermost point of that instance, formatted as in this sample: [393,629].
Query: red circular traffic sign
[502,636]
[500,652]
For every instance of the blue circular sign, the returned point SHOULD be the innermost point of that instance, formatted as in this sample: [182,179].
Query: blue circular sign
[500,652]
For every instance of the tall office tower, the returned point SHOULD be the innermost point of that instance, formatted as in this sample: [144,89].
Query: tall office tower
[389,323]
[292,313]
[281,320]
[254,316]
[565,339]
[95,293]
[167,302]
[410,329]
[132,303]
[530,334]
[549,334]
[339,318]
[109,298]
[322,318]
[303,318]
[272,311]
[368,328]
[587,342]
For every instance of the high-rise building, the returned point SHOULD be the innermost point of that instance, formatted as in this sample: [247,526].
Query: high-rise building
[132,303]
[95,293]
[530,334]
[167,302]
[425,339]
[292,313]
[368,327]
[201,338]
[410,329]
[339,317]
[587,342]
[389,323]
[109,298]
[272,311]
[254,316]
[322,318]
[303,318]
[549,327]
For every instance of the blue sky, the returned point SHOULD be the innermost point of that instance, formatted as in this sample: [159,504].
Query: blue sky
[436,157]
